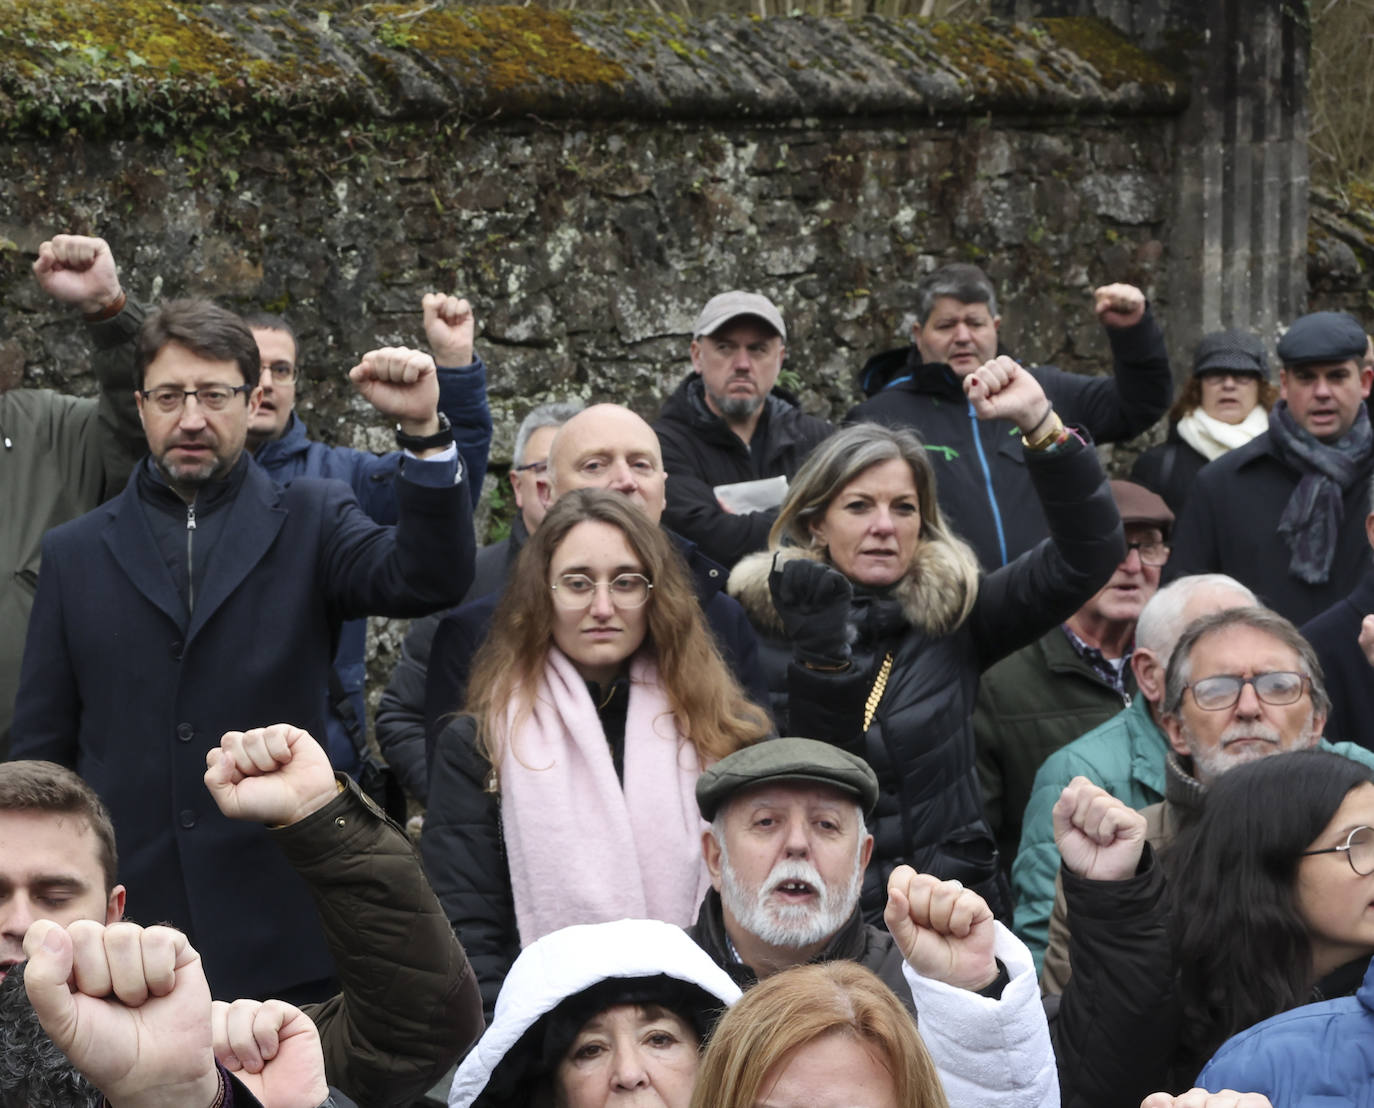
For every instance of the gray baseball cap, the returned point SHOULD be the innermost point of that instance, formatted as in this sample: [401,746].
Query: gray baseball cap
[806,760]
[721,309]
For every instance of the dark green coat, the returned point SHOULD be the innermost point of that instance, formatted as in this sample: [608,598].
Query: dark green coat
[1029,705]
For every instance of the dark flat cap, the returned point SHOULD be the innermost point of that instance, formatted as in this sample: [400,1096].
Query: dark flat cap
[787,760]
[1322,337]
[1230,352]
[1137,504]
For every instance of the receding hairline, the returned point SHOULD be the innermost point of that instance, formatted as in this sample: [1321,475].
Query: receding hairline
[612,413]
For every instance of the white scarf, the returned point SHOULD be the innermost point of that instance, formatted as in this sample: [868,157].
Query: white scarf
[582,849]
[1212,438]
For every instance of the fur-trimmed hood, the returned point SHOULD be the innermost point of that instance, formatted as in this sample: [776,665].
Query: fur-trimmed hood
[936,595]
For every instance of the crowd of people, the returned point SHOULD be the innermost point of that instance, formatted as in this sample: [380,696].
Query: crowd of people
[765,763]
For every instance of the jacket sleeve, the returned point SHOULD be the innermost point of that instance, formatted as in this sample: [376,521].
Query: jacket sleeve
[693,511]
[465,857]
[463,398]
[1048,583]
[1129,401]
[421,565]
[992,1053]
[1036,866]
[408,1006]
[48,703]
[401,712]
[988,757]
[122,442]
[1116,1031]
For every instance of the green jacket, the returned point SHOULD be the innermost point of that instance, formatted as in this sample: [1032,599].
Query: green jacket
[1125,756]
[60,456]
[1029,705]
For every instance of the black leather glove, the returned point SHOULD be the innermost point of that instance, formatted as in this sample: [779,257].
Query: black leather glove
[812,600]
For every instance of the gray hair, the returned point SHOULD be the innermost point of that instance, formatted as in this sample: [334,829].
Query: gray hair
[840,459]
[960,281]
[1161,620]
[1264,620]
[554,414]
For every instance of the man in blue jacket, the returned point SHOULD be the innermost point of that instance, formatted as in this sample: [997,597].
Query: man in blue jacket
[206,598]
[984,491]
[280,444]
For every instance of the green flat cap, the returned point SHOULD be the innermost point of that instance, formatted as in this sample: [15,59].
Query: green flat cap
[787,760]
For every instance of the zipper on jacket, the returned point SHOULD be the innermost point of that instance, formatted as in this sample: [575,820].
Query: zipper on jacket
[190,564]
[987,482]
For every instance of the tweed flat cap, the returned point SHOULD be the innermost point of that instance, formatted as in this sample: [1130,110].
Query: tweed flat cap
[1230,352]
[787,760]
[1322,337]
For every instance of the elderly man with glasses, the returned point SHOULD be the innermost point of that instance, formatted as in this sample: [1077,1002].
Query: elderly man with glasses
[1072,679]
[1242,684]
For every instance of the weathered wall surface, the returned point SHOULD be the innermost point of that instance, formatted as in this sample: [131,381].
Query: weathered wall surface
[1340,254]
[587,183]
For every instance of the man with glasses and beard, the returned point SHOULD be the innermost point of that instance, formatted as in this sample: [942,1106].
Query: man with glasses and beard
[786,851]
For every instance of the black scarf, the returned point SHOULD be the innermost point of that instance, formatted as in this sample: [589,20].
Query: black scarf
[1311,520]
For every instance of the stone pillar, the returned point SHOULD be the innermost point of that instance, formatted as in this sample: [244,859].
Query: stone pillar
[1238,244]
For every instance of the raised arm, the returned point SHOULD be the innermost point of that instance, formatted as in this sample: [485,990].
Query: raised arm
[450,327]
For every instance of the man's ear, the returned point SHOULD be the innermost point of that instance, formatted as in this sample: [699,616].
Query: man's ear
[710,851]
[138,401]
[1149,674]
[543,486]
[866,853]
[696,355]
[1318,726]
[1283,383]
[1174,730]
[1369,528]
[114,907]
[514,479]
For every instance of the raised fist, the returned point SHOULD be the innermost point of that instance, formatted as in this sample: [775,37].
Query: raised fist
[402,385]
[1119,305]
[78,270]
[273,1048]
[1201,1098]
[449,328]
[276,775]
[1099,836]
[1001,389]
[944,931]
[812,600]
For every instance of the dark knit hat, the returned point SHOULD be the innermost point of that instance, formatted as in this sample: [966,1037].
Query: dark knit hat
[1230,352]
[787,760]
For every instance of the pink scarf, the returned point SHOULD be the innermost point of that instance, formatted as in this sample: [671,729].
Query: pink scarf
[581,849]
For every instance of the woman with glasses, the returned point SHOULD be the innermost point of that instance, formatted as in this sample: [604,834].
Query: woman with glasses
[1260,905]
[881,622]
[565,792]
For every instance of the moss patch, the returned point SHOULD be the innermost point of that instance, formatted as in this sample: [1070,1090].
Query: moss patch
[1116,60]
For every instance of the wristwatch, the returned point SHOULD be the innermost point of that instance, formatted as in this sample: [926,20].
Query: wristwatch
[417,443]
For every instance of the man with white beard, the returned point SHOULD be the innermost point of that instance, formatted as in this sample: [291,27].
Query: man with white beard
[786,851]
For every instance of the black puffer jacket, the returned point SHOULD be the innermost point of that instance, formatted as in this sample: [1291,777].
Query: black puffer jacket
[700,451]
[985,487]
[920,743]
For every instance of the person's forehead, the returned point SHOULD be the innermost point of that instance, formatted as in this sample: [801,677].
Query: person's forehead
[946,307]
[744,331]
[48,844]
[175,364]
[274,345]
[785,793]
[1240,649]
[619,434]
[1323,369]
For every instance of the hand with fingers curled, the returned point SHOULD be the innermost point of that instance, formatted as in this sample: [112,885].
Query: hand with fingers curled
[129,1006]
[401,383]
[1119,305]
[276,775]
[449,328]
[1099,837]
[1002,389]
[79,270]
[944,931]
[1201,1098]
[812,600]
[273,1048]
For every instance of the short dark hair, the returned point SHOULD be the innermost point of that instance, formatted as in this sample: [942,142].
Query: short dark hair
[959,280]
[33,786]
[205,329]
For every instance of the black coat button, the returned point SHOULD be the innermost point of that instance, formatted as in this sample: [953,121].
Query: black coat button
[185,732]
[188,818]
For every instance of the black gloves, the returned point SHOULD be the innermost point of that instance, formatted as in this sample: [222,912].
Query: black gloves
[812,600]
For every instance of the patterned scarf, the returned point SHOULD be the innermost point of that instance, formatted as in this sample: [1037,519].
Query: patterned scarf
[1311,520]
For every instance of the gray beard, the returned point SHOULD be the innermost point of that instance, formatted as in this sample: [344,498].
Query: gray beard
[789,925]
[737,409]
[1208,765]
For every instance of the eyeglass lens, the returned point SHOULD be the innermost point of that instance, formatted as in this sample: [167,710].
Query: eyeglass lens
[576,590]
[1223,690]
[1361,852]
[1151,553]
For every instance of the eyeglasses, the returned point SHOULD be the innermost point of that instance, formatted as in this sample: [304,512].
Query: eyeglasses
[576,590]
[538,467]
[1358,849]
[1222,691]
[283,373]
[1151,553]
[213,398]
